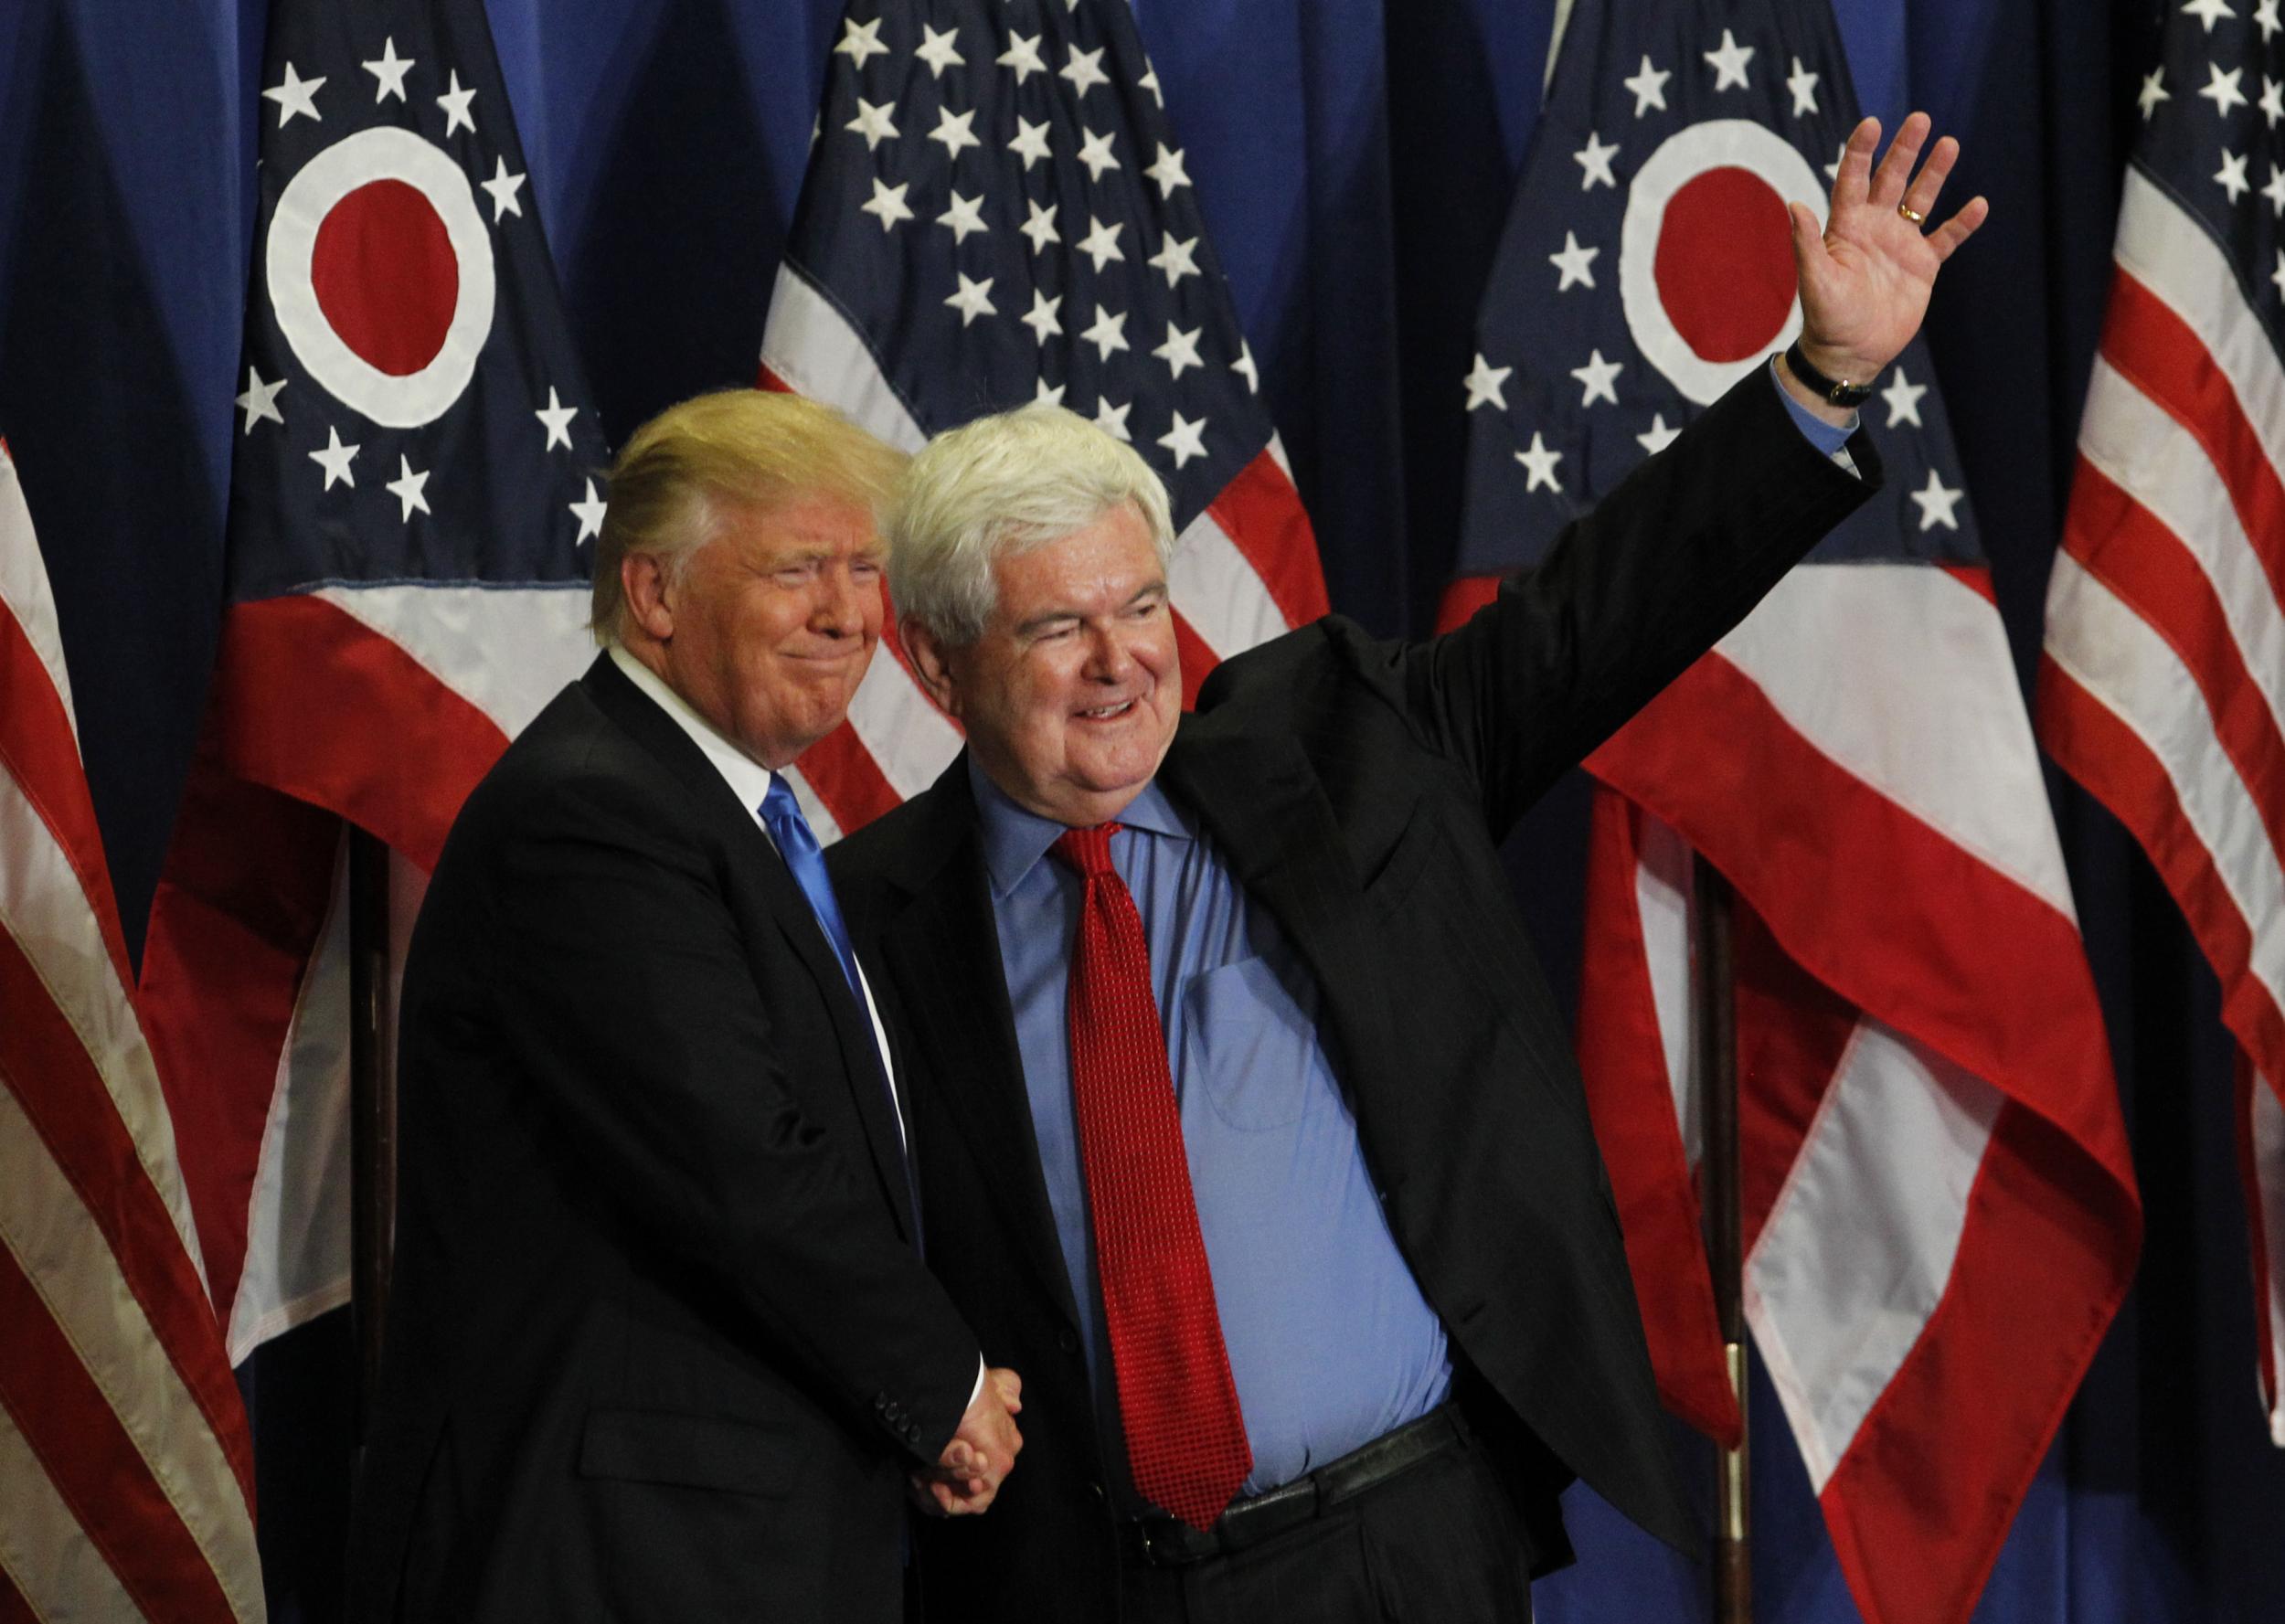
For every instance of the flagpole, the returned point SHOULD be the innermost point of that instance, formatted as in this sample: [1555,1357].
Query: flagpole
[1714,988]
[372,1109]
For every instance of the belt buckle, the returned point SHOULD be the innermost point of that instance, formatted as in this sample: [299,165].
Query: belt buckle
[1167,1543]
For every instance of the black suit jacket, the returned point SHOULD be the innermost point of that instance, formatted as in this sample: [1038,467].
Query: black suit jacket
[1359,790]
[659,1345]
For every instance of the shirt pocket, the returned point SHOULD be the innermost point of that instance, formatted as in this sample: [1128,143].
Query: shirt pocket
[1251,1043]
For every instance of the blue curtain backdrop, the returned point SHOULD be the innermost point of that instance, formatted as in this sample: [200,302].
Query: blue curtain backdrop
[1354,160]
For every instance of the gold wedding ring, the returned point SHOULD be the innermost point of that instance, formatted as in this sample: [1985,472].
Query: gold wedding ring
[1910,213]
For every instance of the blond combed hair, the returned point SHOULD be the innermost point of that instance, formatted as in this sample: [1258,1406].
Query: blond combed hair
[737,450]
[999,486]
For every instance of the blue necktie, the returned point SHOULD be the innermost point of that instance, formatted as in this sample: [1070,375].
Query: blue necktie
[782,814]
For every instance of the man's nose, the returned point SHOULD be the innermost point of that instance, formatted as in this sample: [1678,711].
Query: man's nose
[1109,657]
[839,609]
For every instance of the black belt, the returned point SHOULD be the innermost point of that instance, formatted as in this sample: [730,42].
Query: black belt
[1162,1542]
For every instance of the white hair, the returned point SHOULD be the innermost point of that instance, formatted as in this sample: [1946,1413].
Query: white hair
[998,487]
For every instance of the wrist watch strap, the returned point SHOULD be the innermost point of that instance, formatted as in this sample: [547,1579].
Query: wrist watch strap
[1834,390]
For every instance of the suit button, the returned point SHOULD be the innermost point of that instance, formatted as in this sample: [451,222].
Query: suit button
[880,1401]
[1067,1340]
[912,1432]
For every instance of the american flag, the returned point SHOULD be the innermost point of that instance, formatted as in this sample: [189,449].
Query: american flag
[997,212]
[2161,682]
[126,1474]
[1940,1210]
[409,514]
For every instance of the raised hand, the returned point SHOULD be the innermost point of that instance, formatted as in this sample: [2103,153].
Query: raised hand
[966,1477]
[1865,277]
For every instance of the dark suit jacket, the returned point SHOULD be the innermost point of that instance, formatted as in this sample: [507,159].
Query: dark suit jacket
[1359,790]
[659,1345]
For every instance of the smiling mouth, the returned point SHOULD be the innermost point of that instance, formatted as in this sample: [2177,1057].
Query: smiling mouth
[1105,712]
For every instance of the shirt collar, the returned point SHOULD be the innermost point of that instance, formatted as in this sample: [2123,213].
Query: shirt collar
[749,780]
[1015,839]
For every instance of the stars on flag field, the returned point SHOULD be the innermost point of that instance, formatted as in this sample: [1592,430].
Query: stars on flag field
[1649,85]
[1594,161]
[2229,47]
[2231,176]
[297,96]
[335,459]
[260,400]
[1730,63]
[1657,436]
[1487,384]
[1902,397]
[1936,501]
[589,512]
[409,487]
[1576,402]
[388,72]
[1539,465]
[1009,112]
[2221,88]
[1801,85]
[1576,263]
[502,188]
[2153,91]
[2209,12]
[457,104]
[1598,381]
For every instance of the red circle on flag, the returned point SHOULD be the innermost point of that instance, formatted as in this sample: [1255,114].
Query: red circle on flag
[386,276]
[1725,264]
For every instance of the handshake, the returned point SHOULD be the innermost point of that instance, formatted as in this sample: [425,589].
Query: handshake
[967,1476]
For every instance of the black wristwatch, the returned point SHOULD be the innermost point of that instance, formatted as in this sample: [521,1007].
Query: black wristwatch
[1833,389]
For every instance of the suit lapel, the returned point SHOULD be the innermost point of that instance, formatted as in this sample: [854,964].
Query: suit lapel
[942,949]
[786,907]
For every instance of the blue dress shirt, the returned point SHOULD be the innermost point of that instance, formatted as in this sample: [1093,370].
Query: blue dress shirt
[1331,1342]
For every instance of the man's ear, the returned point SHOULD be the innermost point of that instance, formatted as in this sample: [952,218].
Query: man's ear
[643,578]
[931,665]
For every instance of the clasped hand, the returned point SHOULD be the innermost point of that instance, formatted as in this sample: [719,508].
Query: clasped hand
[967,1476]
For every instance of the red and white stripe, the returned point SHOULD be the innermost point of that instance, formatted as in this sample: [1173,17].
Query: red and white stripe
[1940,1209]
[126,1472]
[1245,569]
[320,705]
[2161,685]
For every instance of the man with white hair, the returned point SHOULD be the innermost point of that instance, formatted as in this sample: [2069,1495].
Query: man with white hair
[1247,1129]
[660,1344]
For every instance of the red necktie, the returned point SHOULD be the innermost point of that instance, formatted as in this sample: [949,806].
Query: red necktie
[1185,1440]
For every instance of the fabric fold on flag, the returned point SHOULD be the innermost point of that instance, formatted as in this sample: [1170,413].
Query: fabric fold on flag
[128,1470]
[411,507]
[2162,677]
[996,213]
[1940,1211]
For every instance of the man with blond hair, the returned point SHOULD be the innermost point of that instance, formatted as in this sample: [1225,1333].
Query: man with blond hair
[660,1344]
[1247,1126]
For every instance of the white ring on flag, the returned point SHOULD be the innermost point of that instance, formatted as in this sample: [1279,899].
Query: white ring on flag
[1717,143]
[383,153]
